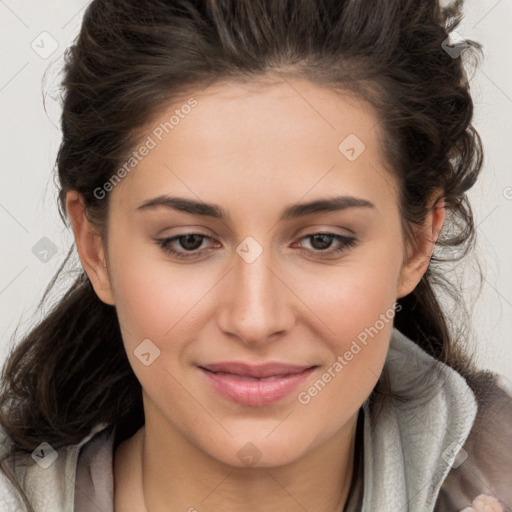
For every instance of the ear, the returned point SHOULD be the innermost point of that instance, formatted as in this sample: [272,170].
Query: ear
[90,247]
[419,255]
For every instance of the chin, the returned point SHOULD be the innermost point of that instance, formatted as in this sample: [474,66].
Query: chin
[260,450]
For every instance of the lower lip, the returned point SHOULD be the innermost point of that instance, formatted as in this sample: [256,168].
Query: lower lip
[256,393]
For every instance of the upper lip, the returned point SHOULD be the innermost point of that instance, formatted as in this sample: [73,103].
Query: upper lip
[255,371]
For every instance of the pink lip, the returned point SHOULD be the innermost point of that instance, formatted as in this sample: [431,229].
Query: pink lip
[255,386]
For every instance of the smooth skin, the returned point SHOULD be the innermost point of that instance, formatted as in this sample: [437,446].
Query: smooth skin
[253,150]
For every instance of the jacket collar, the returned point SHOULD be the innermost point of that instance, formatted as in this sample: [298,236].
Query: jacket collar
[409,451]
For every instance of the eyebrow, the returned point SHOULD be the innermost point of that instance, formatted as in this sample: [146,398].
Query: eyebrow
[290,212]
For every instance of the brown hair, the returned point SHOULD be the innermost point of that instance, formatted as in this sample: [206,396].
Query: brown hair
[131,57]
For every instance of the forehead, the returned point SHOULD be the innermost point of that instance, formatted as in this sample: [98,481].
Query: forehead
[293,109]
[290,135]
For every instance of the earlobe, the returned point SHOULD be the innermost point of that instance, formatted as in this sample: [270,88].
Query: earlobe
[90,248]
[420,255]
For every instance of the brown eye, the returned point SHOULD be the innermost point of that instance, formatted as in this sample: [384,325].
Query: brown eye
[322,241]
[190,242]
[181,244]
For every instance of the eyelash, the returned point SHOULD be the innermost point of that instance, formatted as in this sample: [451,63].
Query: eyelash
[346,241]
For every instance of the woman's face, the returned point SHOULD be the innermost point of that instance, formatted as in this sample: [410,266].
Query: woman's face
[255,285]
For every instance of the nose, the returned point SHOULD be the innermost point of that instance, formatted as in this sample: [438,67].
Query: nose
[255,302]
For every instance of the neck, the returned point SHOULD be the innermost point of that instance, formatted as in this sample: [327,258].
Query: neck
[174,474]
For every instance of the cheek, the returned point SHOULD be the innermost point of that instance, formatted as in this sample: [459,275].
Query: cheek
[356,306]
[168,305]
[154,304]
[342,386]
[153,296]
[143,311]
[352,295]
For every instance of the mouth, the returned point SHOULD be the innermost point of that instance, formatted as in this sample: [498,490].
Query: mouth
[246,377]
[255,386]
[255,371]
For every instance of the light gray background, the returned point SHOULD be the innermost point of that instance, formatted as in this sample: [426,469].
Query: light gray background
[34,36]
